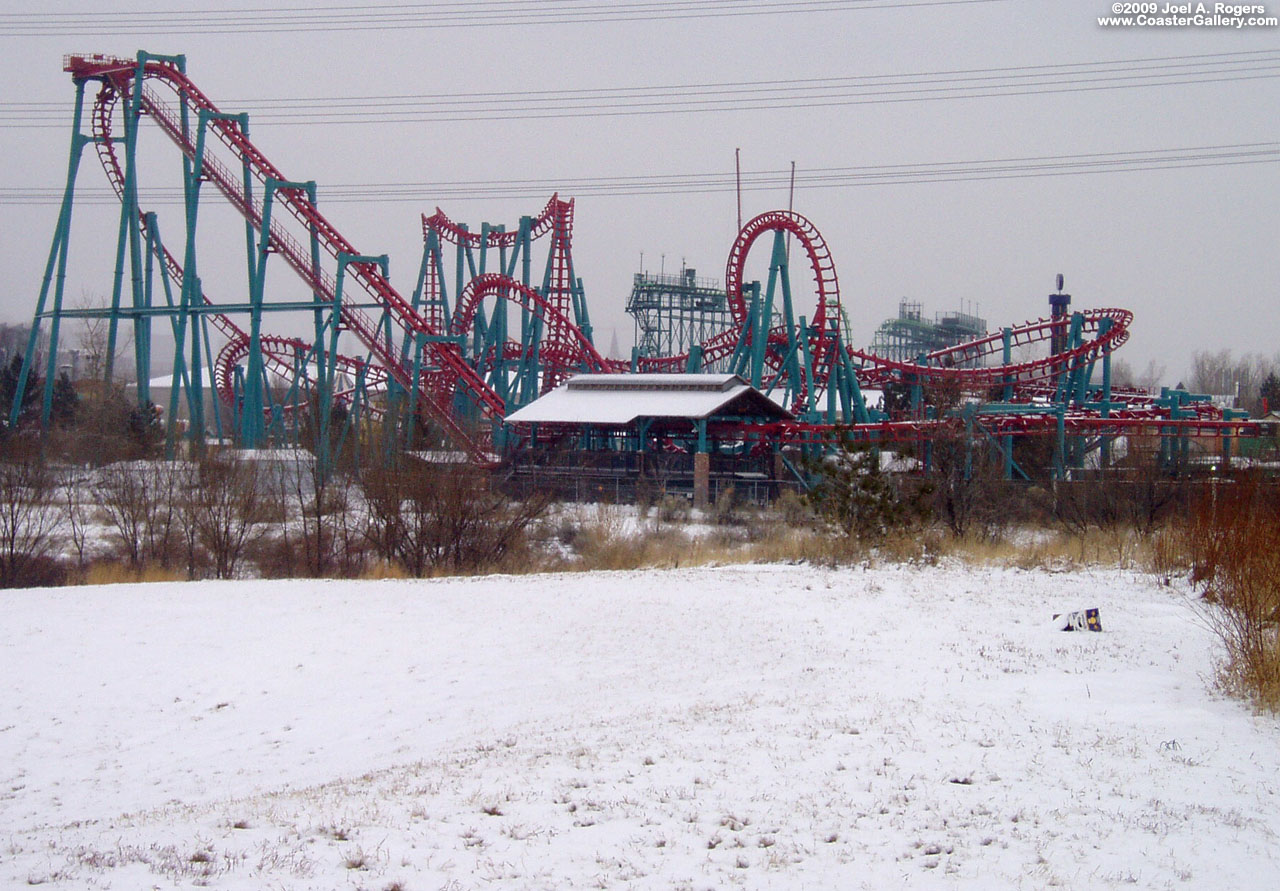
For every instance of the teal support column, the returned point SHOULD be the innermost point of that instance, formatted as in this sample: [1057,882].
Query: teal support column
[1006,356]
[179,380]
[760,338]
[526,259]
[128,248]
[742,362]
[253,430]
[1104,455]
[55,276]
[485,229]
[432,267]
[797,380]
[807,371]
[327,362]
[193,296]
[1060,443]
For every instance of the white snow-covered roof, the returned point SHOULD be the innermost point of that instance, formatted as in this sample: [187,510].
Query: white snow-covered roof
[342,380]
[163,381]
[620,399]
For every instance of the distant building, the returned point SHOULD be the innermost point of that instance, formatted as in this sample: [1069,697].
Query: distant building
[910,334]
[674,312]
[13,341]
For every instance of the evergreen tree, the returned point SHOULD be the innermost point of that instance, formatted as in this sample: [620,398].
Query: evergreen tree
[858,499]
[1270,391]
[145,429]
[9,376]
[66,401]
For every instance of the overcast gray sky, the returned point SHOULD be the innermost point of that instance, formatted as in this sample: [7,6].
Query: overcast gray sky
[1191,250]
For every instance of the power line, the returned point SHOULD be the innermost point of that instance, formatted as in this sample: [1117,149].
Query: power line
[733,96]
[720,182]
[384,17]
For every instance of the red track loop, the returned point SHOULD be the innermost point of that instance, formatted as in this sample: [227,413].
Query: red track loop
[280,355]
[826,314]
[574,354]
[824,268]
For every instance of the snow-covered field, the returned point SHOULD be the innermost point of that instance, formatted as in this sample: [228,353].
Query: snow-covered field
[758,726]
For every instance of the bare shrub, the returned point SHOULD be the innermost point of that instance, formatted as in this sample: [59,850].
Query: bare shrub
[727,510]
[445,518]
[113,573]
[383,569]
[673,509]
[1233,537]
[141,504]
[384,511]
[110,427]
[29,518]
[604,545]
[312,528]
[970,494]
[1137,493]
[792,508]
[76,496]
[228,509]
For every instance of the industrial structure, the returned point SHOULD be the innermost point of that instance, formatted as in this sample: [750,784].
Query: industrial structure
[911,335]
[674,313]
[492,327]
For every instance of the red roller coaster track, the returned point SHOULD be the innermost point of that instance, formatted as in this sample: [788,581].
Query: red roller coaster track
[123,77]
[278,353]
[453,233]
[975,365]
[968,364]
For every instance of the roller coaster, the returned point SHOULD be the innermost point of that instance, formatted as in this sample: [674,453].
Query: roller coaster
[482,335]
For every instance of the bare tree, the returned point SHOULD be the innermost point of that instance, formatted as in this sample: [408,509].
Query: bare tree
[29,518]
[1152,377]
[384,511]
[1122,374]
[92,336]
[314,503]
[228,507]
[75,494]
[444,518]
[1222,374]
[141,503]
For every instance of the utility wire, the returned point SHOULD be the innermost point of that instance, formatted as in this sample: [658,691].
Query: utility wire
[398,17]
[730,96]
[720,182]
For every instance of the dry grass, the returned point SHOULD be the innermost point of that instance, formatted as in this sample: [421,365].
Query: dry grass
[1035,549]
[604,542]
[105,573]
[605,546]
[384,569]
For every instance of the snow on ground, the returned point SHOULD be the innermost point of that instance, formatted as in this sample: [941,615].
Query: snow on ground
[758,727]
